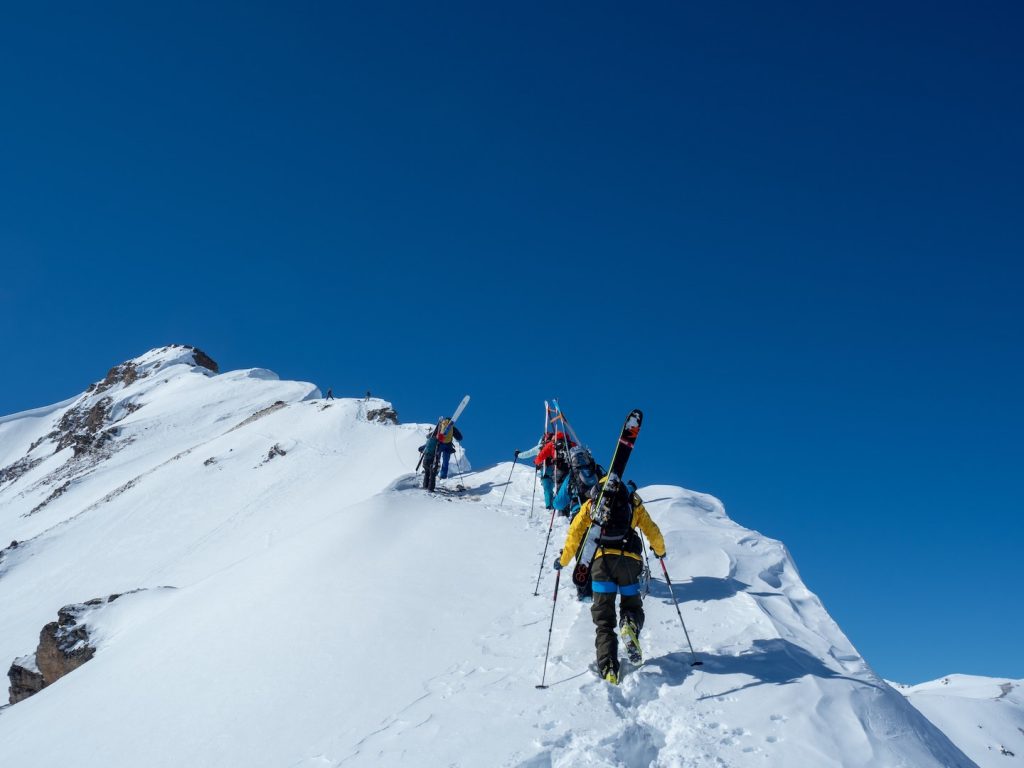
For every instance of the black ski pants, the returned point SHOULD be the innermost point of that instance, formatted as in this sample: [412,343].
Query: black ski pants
[611,575]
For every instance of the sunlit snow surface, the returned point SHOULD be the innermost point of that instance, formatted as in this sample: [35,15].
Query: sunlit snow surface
[983,715]
[319,609]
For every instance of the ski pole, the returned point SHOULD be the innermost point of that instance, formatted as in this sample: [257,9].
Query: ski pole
[514,459]
[554,602]
[647,587]
[534,494]
[544,557]
[462,479]
[671,591]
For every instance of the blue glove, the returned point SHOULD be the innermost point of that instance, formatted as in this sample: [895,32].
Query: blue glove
[558,564]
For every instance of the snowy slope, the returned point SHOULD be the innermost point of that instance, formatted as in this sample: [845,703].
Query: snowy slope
[324,611]
[984,716]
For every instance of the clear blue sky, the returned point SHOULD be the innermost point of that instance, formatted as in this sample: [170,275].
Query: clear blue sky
[791,233]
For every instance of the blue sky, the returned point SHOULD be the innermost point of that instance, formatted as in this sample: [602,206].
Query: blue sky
[792,235]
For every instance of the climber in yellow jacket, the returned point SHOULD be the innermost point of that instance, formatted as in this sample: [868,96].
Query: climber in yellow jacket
[604,539]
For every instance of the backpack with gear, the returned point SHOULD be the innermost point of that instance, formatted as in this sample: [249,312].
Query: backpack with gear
[614,516]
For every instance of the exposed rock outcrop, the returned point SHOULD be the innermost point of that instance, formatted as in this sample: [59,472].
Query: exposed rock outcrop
[126,373]
[12,472]
[82,427]
[384,415]
[64,646]
[275,406]
[26,679]
[91,426]
[203,360]
[55,494]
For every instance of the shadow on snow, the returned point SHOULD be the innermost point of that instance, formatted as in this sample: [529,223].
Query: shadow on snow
[768,662]
[700,588]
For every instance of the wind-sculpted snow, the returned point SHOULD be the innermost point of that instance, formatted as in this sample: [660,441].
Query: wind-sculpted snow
[328,612]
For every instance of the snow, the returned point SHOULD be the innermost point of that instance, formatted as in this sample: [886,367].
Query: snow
[20,429]
[983,715]
[27,662]
[320,609]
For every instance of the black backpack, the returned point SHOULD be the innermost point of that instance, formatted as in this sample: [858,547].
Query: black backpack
[614,515]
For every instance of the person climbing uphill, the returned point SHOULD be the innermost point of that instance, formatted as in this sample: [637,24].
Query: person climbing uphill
[438,450]
[447,434]
[544,463]
[554,460]
[608,521]
[573,492]
[563,445]
[583,475]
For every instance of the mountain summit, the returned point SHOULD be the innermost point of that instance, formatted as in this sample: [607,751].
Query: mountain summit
[257,580]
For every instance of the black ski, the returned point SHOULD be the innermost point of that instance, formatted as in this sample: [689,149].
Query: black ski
[623,450]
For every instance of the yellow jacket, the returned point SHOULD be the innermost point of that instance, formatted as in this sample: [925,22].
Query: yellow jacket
[581,524]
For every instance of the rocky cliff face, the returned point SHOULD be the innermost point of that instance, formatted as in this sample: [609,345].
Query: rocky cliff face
[26,679]
[380,411]
[89,427]
[64,646]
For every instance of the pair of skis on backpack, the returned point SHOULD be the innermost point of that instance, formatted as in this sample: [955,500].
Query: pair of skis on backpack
[430,469]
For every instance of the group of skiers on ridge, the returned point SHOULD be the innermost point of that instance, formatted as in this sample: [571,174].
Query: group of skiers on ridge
[609,553]
[573,484]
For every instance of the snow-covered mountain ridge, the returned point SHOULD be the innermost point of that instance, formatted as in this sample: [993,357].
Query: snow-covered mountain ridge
[319,609]
[984,716]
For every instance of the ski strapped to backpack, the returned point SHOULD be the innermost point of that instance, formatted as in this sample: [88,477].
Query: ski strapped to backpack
[430,447]
[460,409]
[566,426]
[602,508]
[570,443]
[562,450]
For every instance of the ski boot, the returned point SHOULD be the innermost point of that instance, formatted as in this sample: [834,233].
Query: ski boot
[631,639]
[610,671]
